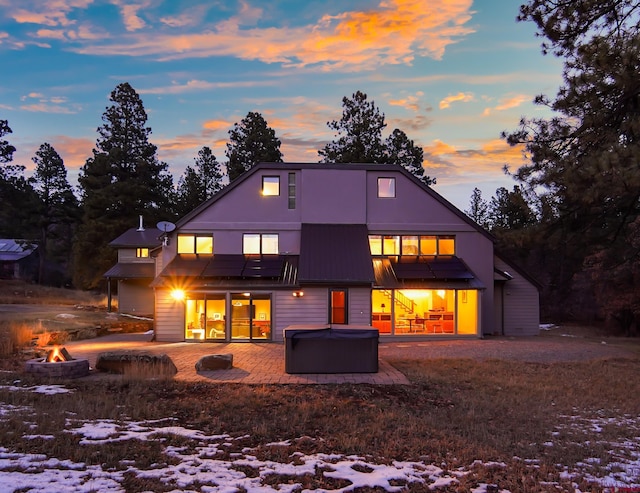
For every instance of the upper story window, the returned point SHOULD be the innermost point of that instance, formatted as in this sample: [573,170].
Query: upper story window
[260,243]
[270,185]
[386,187]
[198,244]
[412,245]
[292,190]
[142,252]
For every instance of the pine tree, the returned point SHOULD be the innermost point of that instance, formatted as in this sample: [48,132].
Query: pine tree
[200,183]
[18,199]
[250,142]
[584,159]
[358,133]
[479,209]
[122,180]
[58,211]
[359,139]
[399,149]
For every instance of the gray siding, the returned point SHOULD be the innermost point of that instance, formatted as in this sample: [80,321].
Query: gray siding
[521,304]
[311,309]
[135,298]
[359,306]
[168,317]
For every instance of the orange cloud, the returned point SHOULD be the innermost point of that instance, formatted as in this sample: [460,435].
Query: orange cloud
[51,13]
[394,32]
[508,103]
[465,97]
[410,102]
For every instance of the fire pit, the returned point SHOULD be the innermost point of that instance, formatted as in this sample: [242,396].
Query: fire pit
[59,364]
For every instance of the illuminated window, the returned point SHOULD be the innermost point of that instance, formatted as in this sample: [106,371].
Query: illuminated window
[386,187]
[260,243]
[338,306]
[142,252]
[200,244]
[392,245]
[270,185]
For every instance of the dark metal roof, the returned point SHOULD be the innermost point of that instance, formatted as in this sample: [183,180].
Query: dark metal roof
[335,253]
[431,267]
[133,237]
[131,271]
[424,272]
[13,250]
[220,269]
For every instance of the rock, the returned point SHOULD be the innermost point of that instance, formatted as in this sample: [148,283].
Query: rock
[215,362]
[140,363]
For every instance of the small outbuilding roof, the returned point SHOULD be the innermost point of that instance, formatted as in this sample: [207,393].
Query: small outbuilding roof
[13,250]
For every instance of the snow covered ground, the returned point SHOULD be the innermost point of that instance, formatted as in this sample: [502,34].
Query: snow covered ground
[198,463]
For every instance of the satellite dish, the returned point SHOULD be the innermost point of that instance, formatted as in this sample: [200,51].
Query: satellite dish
[166,226]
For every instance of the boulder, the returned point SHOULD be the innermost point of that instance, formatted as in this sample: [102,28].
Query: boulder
[140,363]
[215,362]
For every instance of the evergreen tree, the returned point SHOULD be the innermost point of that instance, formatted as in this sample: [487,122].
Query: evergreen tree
[6,149]
[510,211]
[359,139]
[399,149]
[200,183]
[122,180]
[359,133]
[479,209]
[58,211]
[250,142]
[18,199]
[585,158]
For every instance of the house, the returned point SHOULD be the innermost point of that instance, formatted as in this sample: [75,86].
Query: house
[18,259]
[135,270]
[313,245]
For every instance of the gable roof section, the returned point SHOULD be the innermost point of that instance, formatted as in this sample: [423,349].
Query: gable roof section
[336,167]
[335,253]
[133,238]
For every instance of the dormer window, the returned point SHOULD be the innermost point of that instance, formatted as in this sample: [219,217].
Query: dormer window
[386,187]
[270,185]
[142,252]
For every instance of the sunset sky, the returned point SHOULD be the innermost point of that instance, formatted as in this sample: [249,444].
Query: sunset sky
[452,74]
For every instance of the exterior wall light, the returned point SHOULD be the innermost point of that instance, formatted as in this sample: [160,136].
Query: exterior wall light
[298,294]
[178,294]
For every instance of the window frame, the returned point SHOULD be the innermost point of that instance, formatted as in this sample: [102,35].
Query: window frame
[344,308]
[291,190]
[267,185]
[395,246]
[389,191]
[261,243]
[196,247]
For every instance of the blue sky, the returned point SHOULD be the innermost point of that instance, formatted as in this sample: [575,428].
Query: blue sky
[452,74]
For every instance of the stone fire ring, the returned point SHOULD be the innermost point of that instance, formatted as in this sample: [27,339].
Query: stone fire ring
[74,368]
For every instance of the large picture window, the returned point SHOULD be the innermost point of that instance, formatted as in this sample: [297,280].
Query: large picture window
[260,244]
[425,311]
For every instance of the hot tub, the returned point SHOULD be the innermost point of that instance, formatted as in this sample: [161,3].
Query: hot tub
[331,350]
